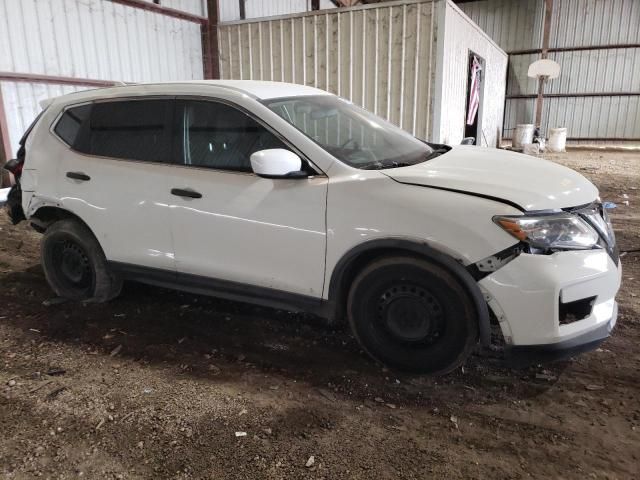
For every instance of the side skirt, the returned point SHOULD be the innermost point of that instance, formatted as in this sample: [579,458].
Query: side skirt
[266,297]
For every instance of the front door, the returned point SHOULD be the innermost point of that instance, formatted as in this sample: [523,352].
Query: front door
[231,225]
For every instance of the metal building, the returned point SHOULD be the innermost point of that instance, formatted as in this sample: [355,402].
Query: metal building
[596,43]
[52,47]
[408,61]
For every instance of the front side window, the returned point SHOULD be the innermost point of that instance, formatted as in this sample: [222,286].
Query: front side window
[351,134]
[219,136]
[129,129]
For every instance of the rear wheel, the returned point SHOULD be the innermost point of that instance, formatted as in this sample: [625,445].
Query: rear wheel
[413,315]
[74,263]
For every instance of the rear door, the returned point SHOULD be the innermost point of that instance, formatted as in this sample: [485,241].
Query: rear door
[115,177]
[236,226]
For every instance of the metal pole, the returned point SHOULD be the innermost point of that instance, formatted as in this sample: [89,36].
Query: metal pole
[548,9]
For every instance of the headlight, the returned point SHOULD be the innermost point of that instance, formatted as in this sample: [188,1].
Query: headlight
[563,231]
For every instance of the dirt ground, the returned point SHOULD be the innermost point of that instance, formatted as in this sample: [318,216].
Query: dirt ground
[159,384]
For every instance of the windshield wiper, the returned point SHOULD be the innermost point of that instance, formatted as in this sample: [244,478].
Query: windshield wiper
[436,153]
[382,165]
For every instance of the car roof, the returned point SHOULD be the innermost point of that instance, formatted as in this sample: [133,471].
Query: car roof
[265,90]
[258,89]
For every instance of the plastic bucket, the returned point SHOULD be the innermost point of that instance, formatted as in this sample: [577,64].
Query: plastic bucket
[523,134]
[557,139]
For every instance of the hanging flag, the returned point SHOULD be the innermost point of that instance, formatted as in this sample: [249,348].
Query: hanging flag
[474,91]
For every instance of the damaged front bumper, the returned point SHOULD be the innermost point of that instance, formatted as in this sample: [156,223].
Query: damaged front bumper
[551,307]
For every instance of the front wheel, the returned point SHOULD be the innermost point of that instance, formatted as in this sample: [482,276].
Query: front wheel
[413,315]
[74,263]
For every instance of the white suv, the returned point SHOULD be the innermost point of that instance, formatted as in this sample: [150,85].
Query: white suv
[287,196]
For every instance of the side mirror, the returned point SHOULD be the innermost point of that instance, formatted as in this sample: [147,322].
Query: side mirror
[277,163]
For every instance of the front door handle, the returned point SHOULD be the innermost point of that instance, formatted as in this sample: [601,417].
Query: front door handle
[79,176]
[181,192]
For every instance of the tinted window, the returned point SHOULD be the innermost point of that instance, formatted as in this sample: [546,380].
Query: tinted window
[218,136]
[69,124]
[134,129]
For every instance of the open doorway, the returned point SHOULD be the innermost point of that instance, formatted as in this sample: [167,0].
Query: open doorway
[473,110]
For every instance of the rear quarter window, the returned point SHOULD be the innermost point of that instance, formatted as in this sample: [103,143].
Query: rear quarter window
[71,122]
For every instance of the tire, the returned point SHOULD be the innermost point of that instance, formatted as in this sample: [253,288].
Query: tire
[412,315]
[74,264]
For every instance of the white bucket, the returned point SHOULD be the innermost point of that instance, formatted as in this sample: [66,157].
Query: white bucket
[522,135]
[557,139]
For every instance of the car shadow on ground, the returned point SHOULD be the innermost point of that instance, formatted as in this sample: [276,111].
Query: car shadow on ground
[209,338]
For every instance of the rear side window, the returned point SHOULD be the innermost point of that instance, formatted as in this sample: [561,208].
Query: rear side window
[130,130]
[69,124]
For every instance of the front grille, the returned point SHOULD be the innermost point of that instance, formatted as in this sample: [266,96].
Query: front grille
[574,311]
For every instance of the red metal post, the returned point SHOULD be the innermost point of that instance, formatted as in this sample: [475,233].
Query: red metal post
[210,53]
[5,146]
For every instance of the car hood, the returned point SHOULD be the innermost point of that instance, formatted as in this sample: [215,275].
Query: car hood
[529,182]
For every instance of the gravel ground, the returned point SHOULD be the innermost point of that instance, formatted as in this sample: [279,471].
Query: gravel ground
[160,384]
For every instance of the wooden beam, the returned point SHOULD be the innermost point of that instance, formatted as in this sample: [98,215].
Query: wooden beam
[577,95]
[575,49]
[210,51]
[170,12]
[55,79]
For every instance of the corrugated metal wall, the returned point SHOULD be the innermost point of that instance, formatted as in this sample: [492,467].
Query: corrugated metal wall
[379,57]
[230,9]
[462,36]
[94,39]
[609,73]
[513,24]
[195,7]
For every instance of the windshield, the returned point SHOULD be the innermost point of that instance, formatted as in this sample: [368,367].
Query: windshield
[351,134]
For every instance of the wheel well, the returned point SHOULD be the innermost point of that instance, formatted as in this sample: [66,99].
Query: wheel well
[352,263]
[44,217]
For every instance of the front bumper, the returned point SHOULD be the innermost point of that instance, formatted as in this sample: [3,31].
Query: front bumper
[525,296]
[518,356]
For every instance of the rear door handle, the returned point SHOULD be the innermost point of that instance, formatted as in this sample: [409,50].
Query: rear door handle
[79,176]
[181,192]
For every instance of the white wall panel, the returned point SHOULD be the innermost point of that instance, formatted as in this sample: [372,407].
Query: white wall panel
[378,56]
[462,36]
[97,39]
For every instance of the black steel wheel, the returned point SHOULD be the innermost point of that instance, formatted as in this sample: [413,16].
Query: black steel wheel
[413,315]
[72,267]
[74,263]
